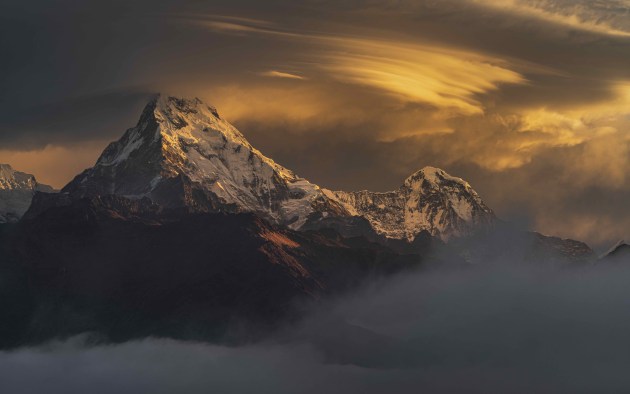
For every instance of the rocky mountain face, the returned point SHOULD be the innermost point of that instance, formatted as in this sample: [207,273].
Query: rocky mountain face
[183,154]
[429,200]
[16,192]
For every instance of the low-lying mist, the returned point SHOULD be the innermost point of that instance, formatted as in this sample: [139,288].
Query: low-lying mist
[497,329]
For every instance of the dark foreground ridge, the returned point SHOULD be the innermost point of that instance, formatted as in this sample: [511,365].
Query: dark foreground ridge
[125,269]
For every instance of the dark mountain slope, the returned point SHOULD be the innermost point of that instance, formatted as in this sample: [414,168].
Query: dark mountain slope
[126,268]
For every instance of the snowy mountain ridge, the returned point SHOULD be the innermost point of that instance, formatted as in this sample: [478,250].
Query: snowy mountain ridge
[11,179]
[16,192]
[429,200]
[183,154]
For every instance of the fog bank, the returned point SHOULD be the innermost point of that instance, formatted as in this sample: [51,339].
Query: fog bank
[485,330]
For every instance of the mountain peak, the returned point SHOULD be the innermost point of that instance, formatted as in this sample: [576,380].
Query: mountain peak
[429,200]
[5,167]
[170,103]
[192,120]
[182,154]
[16,192]
[435,176]
[171,124]
[428,171]
[12,179]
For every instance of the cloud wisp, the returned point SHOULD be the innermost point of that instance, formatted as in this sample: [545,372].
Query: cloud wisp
[575,15]
[281,74]
[446,78]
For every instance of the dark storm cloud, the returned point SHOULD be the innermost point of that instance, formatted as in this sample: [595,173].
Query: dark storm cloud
[72,121]
[57,54]
[67,49]
[498,329]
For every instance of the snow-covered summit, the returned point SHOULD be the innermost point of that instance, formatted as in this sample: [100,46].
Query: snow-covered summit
[435,176]
[429,200]
[456,192]
[182,153]
[16,192]
[11,179]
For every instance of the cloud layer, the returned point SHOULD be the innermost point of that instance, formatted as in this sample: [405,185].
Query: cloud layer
[493,329]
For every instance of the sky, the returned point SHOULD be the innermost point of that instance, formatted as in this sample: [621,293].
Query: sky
[528,100]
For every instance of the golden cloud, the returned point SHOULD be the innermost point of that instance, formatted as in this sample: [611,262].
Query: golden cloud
[575,125]
[448,79]
[281,74]
[51,165]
